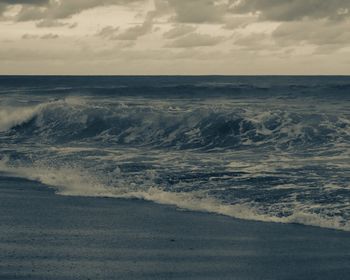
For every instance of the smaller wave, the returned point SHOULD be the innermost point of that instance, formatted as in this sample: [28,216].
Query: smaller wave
[70,181]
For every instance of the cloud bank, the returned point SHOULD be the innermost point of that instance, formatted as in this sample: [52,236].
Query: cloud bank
[195,32]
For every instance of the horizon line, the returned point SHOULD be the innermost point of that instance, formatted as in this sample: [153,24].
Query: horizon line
[175,75]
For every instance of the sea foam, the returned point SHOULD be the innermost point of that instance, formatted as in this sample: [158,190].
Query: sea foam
[72,181]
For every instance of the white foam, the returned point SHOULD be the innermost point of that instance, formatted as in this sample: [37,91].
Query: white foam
[10,117]
[67,180]
[71,181]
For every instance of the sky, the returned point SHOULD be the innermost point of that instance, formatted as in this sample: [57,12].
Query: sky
[175,37]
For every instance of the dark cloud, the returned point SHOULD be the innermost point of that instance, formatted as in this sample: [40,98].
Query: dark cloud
[25,2]
[194,11]
[2,9]
[282,10]
[202,11]
[239,21]
[4,4]
[44,9]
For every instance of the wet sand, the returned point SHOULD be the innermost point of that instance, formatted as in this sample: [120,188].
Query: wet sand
[47,236]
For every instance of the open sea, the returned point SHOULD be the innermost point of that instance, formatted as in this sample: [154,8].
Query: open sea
[258,148]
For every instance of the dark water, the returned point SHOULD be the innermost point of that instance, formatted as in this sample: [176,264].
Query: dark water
[264,148]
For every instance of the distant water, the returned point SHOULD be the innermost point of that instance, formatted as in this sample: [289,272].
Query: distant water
[262,148]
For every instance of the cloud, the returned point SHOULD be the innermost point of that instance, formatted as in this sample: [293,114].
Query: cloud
[44,9]
[318,32]
[108,32]
[254,39]
[178,31]
[47,23]
[194,11]
[137,31]
[279,10]
[191,11]
[34,4]
[29,36]
[239,21]
[73,25]
[195,40]
[134,32]
[24,2]
[49,36]
[283,32]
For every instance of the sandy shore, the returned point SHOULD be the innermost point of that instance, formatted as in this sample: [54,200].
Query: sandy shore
[46,236]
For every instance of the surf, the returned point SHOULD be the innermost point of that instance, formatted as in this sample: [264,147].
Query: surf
[205,127]
[264,150]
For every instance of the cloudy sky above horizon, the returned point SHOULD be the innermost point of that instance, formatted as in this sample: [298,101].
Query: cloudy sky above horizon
[174,37]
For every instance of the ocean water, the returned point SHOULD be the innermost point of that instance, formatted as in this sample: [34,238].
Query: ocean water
[260,148]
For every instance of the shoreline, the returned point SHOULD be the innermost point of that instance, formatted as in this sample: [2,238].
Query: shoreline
[48,236]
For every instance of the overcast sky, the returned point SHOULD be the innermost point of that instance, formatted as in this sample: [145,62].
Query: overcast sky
[174,37]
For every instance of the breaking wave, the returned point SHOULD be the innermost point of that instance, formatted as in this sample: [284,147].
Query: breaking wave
[167,126]
[259,148]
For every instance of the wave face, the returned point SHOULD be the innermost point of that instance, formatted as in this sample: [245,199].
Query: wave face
[269,149]
[163,125]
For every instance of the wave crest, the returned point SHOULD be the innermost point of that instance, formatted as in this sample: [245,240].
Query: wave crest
[166,126]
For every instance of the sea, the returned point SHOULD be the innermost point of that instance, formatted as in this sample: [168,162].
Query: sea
[266,148]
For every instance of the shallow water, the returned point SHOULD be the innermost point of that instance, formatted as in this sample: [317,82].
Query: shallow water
[262,148]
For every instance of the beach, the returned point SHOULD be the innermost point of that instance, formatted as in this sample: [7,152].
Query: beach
[47,236]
